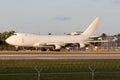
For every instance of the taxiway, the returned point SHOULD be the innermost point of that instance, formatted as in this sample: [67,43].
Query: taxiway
[15,56]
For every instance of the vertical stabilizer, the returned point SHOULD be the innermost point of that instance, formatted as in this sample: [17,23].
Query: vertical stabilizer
[93,28]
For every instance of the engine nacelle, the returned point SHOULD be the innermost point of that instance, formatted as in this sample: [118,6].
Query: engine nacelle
[82,45]
[57,47]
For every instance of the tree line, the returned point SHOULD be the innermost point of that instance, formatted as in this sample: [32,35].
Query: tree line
[3,37]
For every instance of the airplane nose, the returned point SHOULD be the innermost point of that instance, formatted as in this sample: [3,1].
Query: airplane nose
[7,40]
[10,40]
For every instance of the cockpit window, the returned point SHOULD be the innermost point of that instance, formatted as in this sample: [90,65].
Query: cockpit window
[14,34]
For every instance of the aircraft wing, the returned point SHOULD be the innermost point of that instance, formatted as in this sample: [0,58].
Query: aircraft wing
[98,41]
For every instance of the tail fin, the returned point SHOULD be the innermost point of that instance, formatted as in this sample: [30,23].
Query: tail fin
[93,28]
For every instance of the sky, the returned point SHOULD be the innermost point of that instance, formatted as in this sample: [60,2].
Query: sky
[59,16]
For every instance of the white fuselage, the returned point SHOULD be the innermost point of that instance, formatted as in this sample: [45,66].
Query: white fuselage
[22,39]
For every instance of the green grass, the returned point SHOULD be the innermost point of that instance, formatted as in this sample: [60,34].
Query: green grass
[60,66]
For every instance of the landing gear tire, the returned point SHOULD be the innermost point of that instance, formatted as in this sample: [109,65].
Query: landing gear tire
[42,49]
[16,48]
[48,50]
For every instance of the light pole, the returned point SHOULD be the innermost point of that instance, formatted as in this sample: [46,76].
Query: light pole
[92,71]
[38,71]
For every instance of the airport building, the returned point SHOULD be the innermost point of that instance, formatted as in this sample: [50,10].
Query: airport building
[76,33]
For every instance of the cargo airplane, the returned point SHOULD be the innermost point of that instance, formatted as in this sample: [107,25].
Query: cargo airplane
[53,42]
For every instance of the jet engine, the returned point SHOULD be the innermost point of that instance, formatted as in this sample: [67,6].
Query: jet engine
[82,45]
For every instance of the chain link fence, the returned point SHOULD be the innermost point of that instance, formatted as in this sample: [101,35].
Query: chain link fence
[62,76]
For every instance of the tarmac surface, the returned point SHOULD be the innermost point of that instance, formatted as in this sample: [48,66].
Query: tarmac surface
[27,55]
